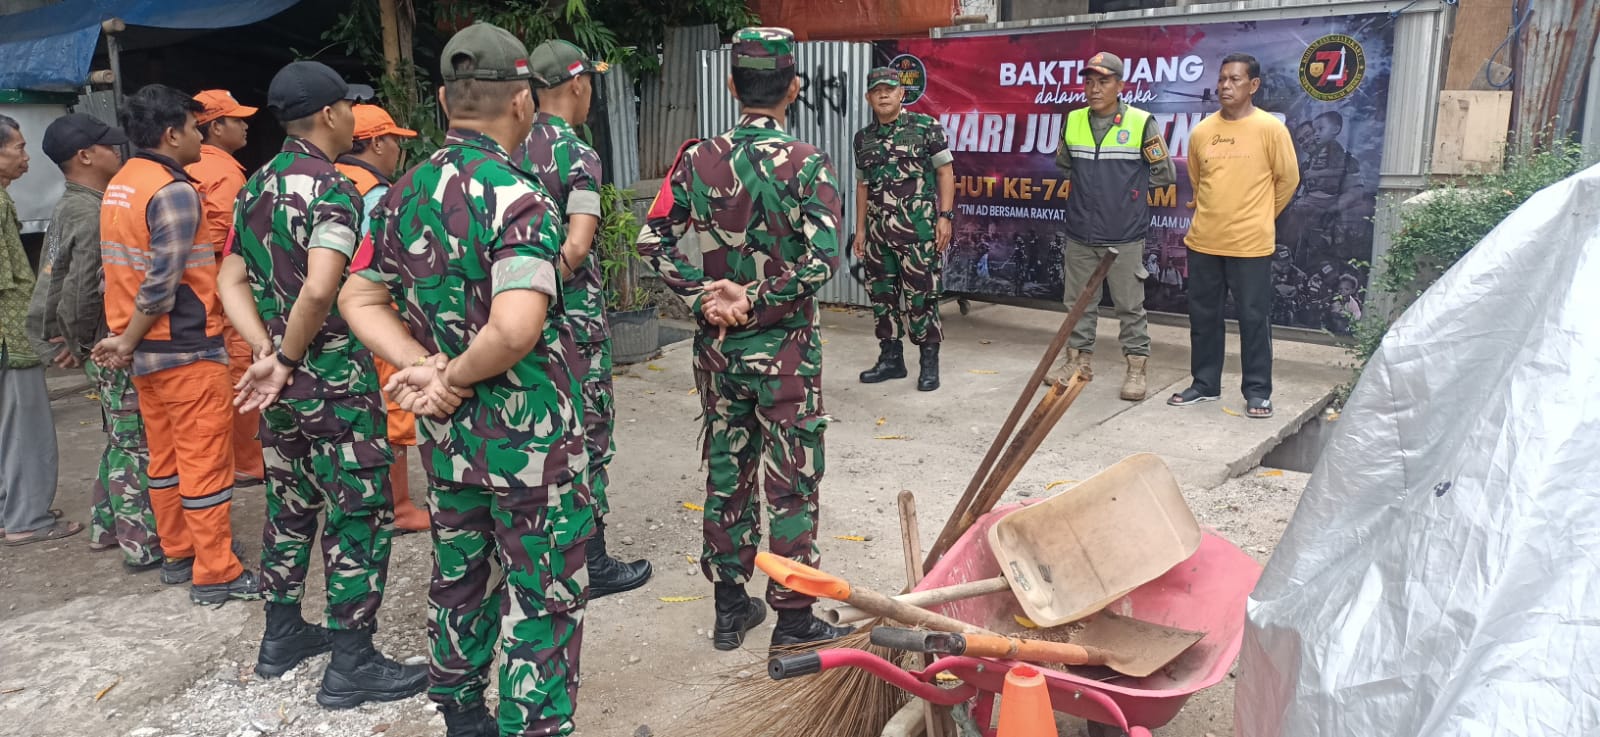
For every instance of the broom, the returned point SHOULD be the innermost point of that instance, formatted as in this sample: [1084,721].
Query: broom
[846,702]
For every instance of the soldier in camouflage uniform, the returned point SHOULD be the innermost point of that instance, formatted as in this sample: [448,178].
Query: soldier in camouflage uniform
[570,171]
[903,171]
[765,208]
[67,317]
[323,423]
[466,246]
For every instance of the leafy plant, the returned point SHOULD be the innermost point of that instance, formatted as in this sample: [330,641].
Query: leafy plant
[618,249]
[1434,234]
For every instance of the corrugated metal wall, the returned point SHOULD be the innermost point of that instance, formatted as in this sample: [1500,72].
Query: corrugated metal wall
[831,108]
[623,118]
[667,99]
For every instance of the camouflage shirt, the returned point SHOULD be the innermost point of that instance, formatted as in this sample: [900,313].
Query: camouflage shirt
[570,171]
[765,208]
[897,161]
[295,203]
[460,228]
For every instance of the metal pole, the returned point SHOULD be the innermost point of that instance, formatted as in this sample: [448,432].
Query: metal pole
[111,27]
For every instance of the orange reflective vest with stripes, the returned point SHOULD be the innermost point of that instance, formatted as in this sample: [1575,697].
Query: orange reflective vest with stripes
[195,321]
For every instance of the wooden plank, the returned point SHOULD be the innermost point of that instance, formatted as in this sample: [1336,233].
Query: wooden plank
[1471,133]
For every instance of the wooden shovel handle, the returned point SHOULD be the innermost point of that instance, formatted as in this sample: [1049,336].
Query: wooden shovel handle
[882,606]
[1033,651]
[1089,295]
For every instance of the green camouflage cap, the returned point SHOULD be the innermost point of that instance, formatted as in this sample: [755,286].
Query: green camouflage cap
[555,62]
[496,54]
[882,75]
[767,47]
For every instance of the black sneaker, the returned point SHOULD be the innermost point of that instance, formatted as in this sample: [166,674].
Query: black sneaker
[181,570]
[244,588]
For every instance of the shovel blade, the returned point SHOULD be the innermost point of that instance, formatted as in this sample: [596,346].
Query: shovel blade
[1134,647]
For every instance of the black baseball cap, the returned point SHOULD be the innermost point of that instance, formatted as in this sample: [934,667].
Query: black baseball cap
[304,87]
[74,132]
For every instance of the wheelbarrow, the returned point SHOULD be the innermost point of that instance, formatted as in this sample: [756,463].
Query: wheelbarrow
[1205,593]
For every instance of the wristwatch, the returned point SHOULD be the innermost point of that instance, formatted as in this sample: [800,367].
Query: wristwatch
[948,215]
[287,361]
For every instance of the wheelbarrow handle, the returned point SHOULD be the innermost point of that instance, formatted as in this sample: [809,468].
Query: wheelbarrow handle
[807,663]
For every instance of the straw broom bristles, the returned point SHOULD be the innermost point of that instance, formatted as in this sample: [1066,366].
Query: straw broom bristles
[843,702]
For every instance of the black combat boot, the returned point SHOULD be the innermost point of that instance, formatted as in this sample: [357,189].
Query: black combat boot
[928,380]
[289,640]
[358,673]
[737,613]
[469,721]
[891,363]
[607,575]
[801,627]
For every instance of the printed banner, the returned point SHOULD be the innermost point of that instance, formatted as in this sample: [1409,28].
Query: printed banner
[1003,100]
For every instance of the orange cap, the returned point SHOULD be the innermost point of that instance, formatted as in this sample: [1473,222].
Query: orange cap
[220,104]
[373,121]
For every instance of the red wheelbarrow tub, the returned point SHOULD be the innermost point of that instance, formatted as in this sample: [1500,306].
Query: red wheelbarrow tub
[1206,593]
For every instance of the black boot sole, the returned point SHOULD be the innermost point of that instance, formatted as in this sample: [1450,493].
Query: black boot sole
[734,640]
[353,699]
[924,387]
[598,590]
[880,379]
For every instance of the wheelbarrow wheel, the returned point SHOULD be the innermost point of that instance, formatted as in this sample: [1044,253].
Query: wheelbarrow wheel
[964,305]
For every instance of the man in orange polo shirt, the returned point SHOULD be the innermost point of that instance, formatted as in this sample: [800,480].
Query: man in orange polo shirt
[219,177]
[166,324]
[373,159]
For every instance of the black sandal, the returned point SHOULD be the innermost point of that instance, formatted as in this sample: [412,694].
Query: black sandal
[1190,396]
[1258,408]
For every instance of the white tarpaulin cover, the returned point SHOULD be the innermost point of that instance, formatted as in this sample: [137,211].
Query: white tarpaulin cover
[1441,576]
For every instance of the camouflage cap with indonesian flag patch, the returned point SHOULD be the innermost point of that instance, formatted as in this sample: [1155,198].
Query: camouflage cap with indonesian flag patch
[496,54]
[767,47]
[555,62]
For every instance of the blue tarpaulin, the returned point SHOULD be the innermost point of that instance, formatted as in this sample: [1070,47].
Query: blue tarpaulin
[51,48]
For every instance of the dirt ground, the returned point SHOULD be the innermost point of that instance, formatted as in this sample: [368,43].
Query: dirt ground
[86,648]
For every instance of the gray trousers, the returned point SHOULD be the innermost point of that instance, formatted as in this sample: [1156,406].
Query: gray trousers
[1126,282]
[27,451]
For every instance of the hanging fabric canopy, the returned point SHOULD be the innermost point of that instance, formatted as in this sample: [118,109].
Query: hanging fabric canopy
[51,48]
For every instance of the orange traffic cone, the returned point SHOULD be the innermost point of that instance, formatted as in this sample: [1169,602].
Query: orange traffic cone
[1025,705]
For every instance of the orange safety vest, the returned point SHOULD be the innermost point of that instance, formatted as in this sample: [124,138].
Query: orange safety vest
[195,322]
[365,179]
[219,177]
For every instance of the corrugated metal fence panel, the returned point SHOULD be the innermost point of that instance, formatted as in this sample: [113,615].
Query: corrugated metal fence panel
[830,110]
[1591,116]
[623,117]
[667,99]
[1415,75]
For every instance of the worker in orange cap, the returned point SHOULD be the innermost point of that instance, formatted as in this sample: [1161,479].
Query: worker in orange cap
[219,177]
[372,162]
[165,320]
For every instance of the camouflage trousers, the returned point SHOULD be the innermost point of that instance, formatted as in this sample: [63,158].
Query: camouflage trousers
[327,461]
[121,511]
[764,430]
[599,420]
[509,573]
[909,275]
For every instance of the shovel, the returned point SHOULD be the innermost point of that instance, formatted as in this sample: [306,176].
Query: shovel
[1145,657]
[1125,645]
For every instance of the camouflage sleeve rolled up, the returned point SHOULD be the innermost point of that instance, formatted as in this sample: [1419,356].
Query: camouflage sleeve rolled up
[820,212]
[524,256]
[658,241]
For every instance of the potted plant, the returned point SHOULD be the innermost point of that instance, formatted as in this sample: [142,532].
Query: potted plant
[635,322]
